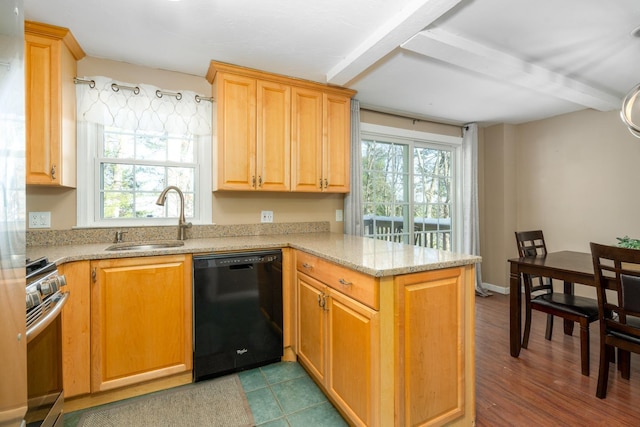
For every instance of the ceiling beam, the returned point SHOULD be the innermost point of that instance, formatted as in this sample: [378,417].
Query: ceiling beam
[453,49]
[413,18]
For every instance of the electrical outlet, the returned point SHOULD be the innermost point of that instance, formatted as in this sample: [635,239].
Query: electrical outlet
[338,215]
[39,219]
[266,216]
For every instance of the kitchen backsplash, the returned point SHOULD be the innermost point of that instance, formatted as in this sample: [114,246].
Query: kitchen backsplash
[82,236]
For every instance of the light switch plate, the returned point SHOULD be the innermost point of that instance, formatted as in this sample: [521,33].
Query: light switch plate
[338,215]
[39,219]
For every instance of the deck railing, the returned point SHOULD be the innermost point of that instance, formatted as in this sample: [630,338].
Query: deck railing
[427,232]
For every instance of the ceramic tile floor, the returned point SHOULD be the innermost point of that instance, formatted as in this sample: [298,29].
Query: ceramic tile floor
[280,395]
[283,395]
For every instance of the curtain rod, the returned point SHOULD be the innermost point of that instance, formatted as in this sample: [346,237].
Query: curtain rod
[136,90]
[413,119]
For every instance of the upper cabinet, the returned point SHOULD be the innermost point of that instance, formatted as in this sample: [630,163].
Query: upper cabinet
[51,54]
[253,133]
[320,141]
[276,133]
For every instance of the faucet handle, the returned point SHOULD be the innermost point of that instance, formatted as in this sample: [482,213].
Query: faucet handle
[120,236]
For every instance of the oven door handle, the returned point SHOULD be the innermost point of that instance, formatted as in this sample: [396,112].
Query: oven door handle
[47,319]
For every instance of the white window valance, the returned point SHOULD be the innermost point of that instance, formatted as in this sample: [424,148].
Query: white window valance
[141,106]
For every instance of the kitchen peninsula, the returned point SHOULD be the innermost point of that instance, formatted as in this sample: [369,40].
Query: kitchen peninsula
[393,341]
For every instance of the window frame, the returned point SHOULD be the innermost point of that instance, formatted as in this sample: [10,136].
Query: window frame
[88,188]
[414,138]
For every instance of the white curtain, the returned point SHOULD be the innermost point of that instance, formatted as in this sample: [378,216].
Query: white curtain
[353,200]
[143,107]
[470,232]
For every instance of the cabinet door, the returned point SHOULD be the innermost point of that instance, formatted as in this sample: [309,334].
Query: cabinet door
[76,330]
[42,79]
[273,147]
[311,325]
[337,144]
[353,370]
[236,153]
[50,108]
[432,344]
[306,140]
[140,320]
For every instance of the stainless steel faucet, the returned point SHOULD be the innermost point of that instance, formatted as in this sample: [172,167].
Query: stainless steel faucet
[182,224]
[119,236]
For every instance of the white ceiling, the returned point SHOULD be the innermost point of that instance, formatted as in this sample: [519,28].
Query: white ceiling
[456,61]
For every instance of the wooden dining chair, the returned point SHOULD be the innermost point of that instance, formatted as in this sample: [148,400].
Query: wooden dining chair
[617,268]
[539,295]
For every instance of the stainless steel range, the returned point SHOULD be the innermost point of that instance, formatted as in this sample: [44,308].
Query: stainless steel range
[45,299]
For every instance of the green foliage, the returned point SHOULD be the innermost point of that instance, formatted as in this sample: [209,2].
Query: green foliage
[627,242]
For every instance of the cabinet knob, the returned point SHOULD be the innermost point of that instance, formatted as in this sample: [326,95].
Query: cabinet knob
[53,172]
[326,183]
[253,181]
[260,181]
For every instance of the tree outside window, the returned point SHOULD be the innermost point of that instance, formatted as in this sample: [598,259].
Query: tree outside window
[408,192]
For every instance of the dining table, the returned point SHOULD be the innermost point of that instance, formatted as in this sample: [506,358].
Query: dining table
[567,266]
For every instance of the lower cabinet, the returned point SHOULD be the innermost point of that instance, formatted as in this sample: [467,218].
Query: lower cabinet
[76,330]
[338,344]
[140,319]
[389,351]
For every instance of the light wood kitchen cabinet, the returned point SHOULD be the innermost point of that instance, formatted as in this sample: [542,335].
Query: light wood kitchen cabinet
[141,321]
[253,137]
[76,330]
[51,54]
[320,141]
[276,133]
[434,331]
[389,351]
[338,339]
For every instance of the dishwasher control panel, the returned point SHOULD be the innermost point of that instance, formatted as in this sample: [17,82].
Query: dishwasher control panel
[222,260]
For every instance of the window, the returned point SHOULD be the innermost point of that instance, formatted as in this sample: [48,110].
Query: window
[410,186]
[132,143]
[134,167]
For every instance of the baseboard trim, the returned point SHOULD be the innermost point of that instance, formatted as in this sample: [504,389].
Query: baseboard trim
[495,288]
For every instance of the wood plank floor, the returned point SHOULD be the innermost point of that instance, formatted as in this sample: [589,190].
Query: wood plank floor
[543,386]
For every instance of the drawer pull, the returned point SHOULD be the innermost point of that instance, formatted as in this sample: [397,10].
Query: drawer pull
[345,283]
[305,265]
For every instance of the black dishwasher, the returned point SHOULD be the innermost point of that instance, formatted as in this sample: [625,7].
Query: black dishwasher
[237,312]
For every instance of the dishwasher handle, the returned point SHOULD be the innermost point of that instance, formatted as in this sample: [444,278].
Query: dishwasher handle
[241,267]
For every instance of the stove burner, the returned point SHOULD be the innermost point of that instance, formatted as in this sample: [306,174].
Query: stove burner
[39,267]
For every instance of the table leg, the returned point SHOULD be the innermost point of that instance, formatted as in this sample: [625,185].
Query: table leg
[515,311]
[568,324]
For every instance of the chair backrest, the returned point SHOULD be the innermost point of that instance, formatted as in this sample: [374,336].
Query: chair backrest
[618,268]
[531,243]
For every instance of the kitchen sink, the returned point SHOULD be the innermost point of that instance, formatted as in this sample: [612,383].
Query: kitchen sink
[143,246]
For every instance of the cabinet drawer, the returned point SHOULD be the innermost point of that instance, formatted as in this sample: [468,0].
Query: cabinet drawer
[359,286]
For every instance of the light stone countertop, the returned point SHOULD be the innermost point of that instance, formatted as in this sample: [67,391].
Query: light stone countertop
[370,256]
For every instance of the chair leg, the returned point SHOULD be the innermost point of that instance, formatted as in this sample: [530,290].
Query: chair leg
[584,347]
[624,359]
[549,330]
[603,370]
[527,327]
